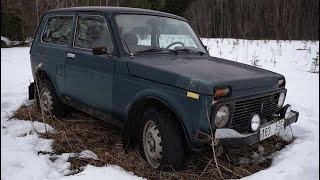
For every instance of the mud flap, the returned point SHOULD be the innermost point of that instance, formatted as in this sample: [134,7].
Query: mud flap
[31,91]
[127,141]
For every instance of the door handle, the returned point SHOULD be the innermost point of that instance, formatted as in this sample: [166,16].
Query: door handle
[71,55]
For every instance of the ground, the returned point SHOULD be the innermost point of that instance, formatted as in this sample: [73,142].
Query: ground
[21,142]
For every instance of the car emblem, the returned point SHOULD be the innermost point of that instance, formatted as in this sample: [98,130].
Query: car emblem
[261,109]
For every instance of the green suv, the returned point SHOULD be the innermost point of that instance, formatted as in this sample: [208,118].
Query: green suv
[148,73]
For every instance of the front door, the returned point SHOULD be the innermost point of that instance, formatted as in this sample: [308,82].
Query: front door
[88,77]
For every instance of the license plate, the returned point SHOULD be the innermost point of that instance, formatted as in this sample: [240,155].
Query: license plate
[271,129]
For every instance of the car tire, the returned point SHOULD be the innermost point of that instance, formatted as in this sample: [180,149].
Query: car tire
[3,44]
[48,101]
[162,143]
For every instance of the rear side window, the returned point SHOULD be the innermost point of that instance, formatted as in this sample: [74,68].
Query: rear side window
[58,30]
[92,31]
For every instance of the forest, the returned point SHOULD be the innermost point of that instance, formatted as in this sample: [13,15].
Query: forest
[245,19]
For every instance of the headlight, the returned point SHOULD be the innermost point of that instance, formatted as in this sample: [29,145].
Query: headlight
[255,122]
[222,116]
[281,99]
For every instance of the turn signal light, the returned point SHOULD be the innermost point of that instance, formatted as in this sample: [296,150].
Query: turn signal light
[221,92]
[281,82]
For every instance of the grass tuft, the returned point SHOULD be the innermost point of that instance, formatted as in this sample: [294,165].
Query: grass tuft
[78,132]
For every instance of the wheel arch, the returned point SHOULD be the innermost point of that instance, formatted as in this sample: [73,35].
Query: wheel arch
[135,111]
[41,73]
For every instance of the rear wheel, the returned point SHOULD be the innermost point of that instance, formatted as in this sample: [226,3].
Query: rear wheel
[48,101]
[162,140]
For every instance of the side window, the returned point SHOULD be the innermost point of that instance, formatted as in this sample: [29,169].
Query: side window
[58,30]
[92,31]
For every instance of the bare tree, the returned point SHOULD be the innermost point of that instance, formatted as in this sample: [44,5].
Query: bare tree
[258,19]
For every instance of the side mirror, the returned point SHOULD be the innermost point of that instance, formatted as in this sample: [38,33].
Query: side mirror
[206,47]
[99,50]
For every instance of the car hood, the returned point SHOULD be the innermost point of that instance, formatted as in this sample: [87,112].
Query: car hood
[200,74]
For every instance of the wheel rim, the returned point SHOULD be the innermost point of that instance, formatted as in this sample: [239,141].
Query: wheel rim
[46,102]
[152,144]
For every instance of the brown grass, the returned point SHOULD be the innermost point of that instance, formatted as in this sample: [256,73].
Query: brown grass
[78,132]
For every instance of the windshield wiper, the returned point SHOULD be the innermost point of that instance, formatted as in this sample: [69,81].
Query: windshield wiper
[189,51]
[149,50]
[168,50]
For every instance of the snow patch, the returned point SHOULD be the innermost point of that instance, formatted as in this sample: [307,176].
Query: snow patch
[20,143]
[88,154]
[106,172]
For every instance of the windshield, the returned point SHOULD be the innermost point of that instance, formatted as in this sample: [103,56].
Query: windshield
[147,33]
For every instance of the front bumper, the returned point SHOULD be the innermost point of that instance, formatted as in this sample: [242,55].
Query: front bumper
[231,137]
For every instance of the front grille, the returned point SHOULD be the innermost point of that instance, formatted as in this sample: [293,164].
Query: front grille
[265,106]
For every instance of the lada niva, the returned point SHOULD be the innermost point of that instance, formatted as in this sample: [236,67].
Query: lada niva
[149,73]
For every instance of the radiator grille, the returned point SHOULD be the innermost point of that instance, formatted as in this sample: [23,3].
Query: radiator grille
[263,105]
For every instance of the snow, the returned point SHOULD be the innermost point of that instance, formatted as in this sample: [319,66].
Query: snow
[19,146]
[20,142]
[107,172]
[293,59]
[6,40]
[88,154]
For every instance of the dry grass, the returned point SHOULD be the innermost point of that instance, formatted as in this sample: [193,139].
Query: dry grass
[78,132]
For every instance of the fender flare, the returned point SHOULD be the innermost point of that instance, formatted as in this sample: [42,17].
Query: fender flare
[127,131]
[40,68]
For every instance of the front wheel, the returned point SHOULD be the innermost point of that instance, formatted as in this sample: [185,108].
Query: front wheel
[162,140]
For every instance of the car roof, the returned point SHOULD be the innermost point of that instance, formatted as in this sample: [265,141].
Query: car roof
[115,10]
